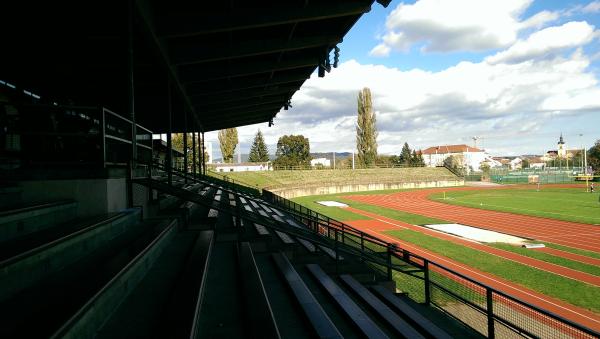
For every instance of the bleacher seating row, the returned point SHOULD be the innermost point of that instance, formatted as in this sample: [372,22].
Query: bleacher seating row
[191,270]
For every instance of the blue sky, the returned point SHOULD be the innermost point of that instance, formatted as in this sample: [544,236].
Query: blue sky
[515,73]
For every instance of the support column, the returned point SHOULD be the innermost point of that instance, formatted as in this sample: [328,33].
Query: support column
[169,158]
[185,155]
[203,156]
[131,83]
[194,154]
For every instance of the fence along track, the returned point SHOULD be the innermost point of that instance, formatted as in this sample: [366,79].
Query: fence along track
[485,309]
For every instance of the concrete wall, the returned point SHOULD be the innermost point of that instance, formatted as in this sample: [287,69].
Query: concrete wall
[94,196]
[293,192]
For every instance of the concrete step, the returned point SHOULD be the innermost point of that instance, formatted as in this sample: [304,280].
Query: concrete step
[21,221]
[26,269]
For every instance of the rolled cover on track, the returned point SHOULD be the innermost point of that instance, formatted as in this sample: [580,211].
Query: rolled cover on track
[533,245]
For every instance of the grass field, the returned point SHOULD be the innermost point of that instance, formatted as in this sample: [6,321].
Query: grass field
[569,290]
[276,179]
[570,204]
[574,205]
[342,214]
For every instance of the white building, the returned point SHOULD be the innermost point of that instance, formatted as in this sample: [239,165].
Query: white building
[468,157]
[320,161]
[242,167]
[516,163]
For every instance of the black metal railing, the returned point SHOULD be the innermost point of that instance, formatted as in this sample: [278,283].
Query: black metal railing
[487,310]
[77,136]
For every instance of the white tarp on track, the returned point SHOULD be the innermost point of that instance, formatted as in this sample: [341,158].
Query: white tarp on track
[332,203]
[477,234]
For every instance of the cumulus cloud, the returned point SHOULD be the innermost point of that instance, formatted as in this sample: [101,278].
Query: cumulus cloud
[465,25]
[592,7]
[547,42]
[509,101]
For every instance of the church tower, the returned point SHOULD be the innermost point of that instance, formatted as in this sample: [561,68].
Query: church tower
[562,148]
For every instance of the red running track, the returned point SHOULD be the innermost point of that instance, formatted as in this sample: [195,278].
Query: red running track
[528,261]
[571,234]
[565,310]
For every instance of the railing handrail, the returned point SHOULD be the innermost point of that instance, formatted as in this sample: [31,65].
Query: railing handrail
[397,251]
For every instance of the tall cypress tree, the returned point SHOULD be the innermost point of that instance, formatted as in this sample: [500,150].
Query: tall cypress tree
[366,131]
[258,151]
[228,140]
[405,155]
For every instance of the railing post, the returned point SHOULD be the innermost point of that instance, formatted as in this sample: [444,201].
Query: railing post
[490,313]
[337,254]
[427,282]
[362,245]
[150,193]
[103,136]
[343,232]
[389,262]
[129,184]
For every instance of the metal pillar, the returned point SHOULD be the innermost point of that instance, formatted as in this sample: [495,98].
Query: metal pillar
[203,156]
[185,149]
[194,154]
[131,84]
[169,158]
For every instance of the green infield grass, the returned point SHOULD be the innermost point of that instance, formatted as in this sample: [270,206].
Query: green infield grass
[342,215]
[576,265]
[570,204]
[572,291]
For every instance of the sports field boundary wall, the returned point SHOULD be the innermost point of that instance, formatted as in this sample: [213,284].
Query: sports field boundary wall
[301,191]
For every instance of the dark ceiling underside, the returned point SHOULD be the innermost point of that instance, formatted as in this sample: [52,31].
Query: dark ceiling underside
[230,63]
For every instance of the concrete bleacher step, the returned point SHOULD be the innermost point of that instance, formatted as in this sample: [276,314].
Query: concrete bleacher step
[322,325]
[361,320]
[100,310]
[27,268]
[261,230]
[410,314]
[53,300]
[259,314]
[330,253]
[221,314]
[22,221]
[309,246]
[285,238]
[49,234]
[400,326]
[184,304]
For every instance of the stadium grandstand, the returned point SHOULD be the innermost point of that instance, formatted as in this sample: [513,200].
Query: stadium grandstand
[97,239]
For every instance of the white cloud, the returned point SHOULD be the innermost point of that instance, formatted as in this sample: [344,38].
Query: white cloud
[515,107]
[539,20]
[547,42]
[471,25]
[592,7]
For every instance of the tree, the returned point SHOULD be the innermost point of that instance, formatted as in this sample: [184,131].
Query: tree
[366,131]
[593,157]
[454,161]
[525,163]
[258,150]
[292,150]
[228,140]
[405,155]
[177,141]
[421,161]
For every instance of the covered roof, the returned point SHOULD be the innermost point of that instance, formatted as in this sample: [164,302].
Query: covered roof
[444,149]
[229,63]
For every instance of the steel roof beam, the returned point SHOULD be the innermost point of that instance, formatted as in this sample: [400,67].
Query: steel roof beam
[185,24]
[198,53]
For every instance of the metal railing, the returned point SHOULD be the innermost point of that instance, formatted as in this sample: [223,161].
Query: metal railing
[77,135]
[487,310]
